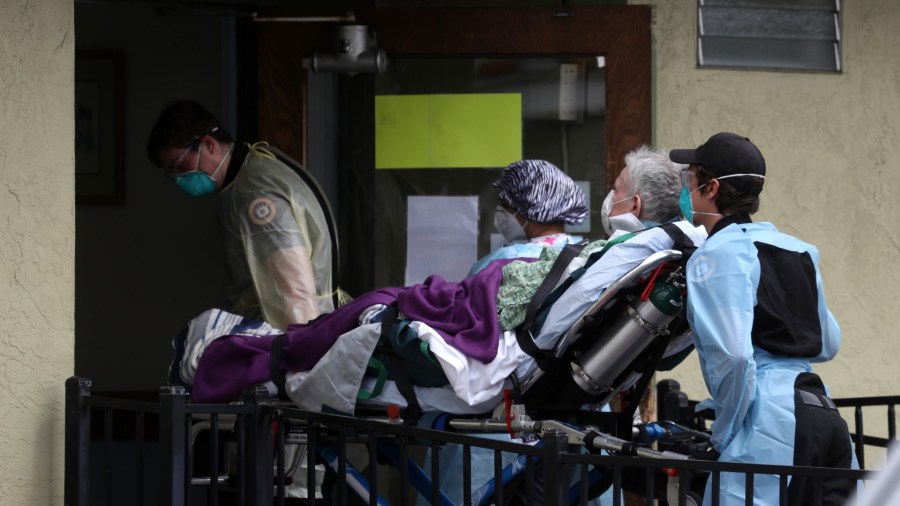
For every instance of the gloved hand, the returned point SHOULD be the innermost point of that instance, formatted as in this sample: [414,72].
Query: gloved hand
[710,454]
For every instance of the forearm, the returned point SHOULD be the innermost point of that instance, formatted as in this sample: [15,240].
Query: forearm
[287,290]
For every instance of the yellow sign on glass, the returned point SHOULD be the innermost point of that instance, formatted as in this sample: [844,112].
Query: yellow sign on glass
[447,131]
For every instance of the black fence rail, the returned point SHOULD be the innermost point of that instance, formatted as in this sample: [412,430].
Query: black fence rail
[147,451]
[858,434]
[244,460]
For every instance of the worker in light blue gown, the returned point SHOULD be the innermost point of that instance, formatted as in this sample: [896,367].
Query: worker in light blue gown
[756,305]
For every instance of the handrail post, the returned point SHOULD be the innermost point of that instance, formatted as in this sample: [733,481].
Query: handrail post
[892,422]
[860,438]
[78,442]
[172,449]
[258,461]
[555,487]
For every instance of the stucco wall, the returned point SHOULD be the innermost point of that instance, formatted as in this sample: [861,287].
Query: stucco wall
[830,142]
[832,151]
[37,250]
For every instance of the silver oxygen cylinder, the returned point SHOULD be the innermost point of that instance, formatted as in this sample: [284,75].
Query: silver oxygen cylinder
[596,370]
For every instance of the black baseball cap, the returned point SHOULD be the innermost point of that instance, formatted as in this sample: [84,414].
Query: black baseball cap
[725,153]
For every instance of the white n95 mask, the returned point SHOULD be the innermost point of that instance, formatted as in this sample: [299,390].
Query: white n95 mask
[626,222]
[508,226]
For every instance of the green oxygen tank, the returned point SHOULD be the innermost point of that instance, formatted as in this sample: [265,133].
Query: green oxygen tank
[668,296]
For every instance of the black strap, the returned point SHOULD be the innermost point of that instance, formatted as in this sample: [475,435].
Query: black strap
[588,440]
[276,373]
[412,412]
[388,318]
[682,242]
[544,358]
[399,373]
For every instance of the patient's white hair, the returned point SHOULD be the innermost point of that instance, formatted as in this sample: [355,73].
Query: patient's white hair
[657,180]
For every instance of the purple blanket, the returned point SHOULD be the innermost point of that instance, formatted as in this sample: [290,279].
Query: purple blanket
[464,313]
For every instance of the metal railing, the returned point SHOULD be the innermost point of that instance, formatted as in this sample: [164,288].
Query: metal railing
[260,430]
[166,426]
[857,433]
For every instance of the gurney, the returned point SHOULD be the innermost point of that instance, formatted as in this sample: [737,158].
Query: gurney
[598,367]
[616,345]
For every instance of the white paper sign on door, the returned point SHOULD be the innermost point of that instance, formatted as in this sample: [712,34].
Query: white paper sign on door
[441,237]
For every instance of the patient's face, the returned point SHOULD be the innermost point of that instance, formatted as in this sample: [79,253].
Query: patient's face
[623,202]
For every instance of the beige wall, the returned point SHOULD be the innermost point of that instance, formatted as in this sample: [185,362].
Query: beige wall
[832,148]
[830,140]
[37,249]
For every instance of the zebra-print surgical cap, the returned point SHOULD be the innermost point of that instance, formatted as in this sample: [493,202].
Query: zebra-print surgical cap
[541,192]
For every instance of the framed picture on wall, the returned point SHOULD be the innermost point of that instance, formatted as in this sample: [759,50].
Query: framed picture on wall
[99,129]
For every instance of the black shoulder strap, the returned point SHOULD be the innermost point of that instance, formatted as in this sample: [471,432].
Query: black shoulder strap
[544,358]
[682,242]
[401,376]
[276,373]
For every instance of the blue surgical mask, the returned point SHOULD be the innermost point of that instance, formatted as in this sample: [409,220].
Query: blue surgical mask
[687,207]
[197,183]
[685,204]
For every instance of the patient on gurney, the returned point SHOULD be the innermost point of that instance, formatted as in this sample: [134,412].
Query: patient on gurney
[536,202]
[457,339]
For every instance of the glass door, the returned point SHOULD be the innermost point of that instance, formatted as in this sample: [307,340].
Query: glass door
[562,106]
[595,58]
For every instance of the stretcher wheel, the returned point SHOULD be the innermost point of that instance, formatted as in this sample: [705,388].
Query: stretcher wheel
[693,499]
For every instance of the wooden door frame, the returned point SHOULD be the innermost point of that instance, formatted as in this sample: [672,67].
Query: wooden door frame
[620,33]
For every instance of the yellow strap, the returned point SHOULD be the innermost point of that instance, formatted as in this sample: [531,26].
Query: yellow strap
[342,296]
[261,149]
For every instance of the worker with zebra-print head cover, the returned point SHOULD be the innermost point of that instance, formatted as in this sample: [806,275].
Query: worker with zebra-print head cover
[537,201]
